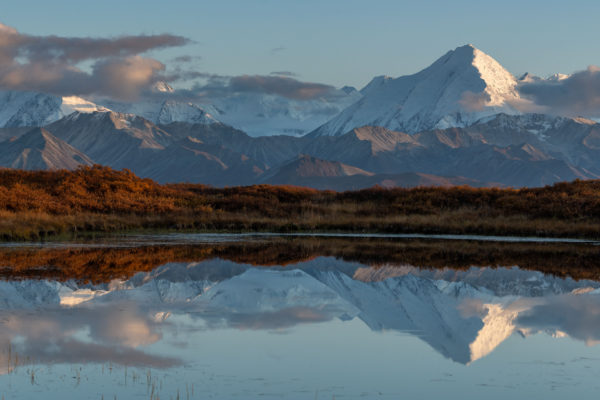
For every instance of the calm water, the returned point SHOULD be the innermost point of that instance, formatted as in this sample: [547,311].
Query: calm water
[228,317]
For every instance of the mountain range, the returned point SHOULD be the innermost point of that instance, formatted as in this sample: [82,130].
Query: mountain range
[456,122]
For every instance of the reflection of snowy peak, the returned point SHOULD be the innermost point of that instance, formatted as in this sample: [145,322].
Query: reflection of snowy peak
[29,294]
[499,282]
[266,290]
[463,315]
[411,304]
[458,89]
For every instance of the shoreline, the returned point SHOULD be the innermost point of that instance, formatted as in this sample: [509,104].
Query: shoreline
[27,227]
[119,258]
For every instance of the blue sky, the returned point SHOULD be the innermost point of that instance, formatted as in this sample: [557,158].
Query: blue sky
[336,42]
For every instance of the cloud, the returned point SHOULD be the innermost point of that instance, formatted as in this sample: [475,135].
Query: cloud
[125,78]
[474,101]
[185,59]
[277,50]
[279,319]
[117,68]
[279,85]
[53,64]
[576,315]
[579,94]
[51,335]
[215,86]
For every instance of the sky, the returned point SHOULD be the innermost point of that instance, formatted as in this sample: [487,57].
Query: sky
[337,42]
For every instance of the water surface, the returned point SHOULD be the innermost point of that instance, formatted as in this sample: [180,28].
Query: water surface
[230,317]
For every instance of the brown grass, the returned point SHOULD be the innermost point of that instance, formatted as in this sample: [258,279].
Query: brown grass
[36,205]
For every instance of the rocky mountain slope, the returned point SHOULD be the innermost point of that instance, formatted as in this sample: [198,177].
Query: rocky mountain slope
[39,149]
[501,150]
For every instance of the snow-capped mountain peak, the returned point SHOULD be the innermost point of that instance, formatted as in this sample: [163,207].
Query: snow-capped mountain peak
[38,109]
[162,87]
[558,77]
[71,104]
[173,111]
[458,89]
[500,84]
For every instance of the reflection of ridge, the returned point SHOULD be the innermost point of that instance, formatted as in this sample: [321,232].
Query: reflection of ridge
[463,315]
[415,305]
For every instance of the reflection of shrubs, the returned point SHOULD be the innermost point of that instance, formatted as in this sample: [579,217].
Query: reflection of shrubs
[580,261]
[47,203]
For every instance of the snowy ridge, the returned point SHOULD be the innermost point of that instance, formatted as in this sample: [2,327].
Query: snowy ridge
[163,111]
[458,89]
[265,115]
[38,109]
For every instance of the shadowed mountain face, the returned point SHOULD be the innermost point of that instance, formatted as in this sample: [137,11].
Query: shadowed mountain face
[39,149]
[333,175]
[503,150]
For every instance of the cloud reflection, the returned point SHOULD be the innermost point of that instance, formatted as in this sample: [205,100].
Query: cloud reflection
[578,316]
[89,334]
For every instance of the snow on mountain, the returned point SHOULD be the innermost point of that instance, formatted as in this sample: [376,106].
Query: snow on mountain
[163,111]
[173,111]
[39,109]
[530,78]
[261,114]
[71,104]
[34,109]
[458,89]
[257,114]
[29,294]
[162,87]
[260,290]
[558,77]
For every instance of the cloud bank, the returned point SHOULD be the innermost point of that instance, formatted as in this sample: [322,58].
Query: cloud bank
[219,86]
[117,68]
[53,64]
[576,95]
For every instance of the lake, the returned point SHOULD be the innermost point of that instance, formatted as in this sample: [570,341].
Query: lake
[187,316]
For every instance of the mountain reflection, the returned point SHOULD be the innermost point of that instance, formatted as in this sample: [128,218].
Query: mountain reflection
[462,314]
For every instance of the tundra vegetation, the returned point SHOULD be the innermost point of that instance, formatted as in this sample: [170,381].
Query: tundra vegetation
[43,204]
